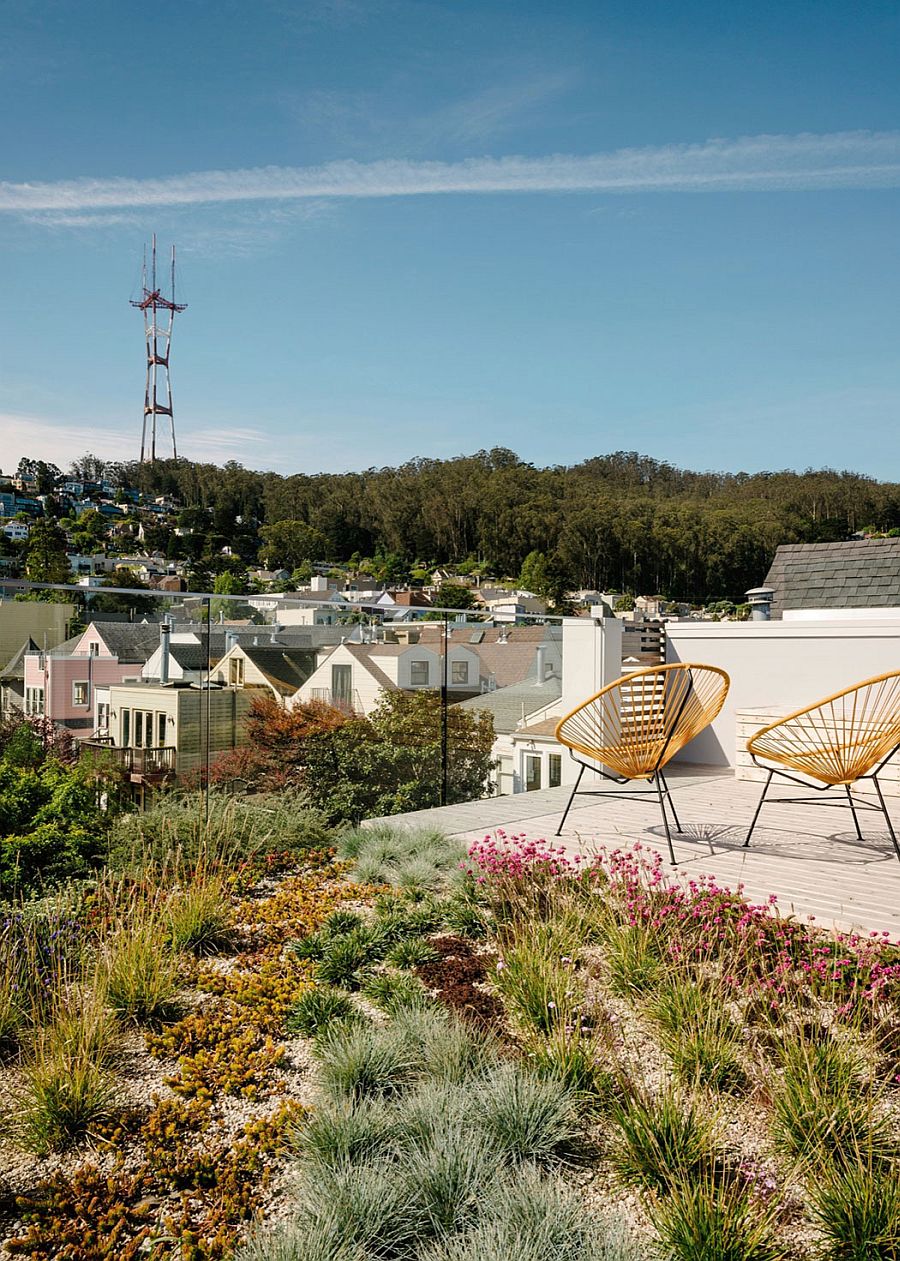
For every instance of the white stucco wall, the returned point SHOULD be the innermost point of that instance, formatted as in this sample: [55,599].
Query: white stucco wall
[786,664]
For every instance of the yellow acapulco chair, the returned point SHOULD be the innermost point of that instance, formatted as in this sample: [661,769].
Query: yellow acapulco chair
[839,741]
[635,726]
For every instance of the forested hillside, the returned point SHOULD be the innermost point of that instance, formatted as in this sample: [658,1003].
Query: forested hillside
[623,520]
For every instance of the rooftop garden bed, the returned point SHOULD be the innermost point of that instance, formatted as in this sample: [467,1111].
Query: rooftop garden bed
[376,1046]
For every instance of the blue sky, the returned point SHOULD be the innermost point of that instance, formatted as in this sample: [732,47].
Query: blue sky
[410,228]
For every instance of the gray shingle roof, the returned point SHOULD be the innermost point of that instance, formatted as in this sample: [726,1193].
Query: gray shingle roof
[859,574]
[509,704]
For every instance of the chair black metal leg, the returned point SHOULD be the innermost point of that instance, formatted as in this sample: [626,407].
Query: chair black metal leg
[562,821]
[669,799]
[887,817]
[759,807]
[859,834]
[662,806]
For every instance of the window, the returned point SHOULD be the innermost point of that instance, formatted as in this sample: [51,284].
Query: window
[418,674]
[554,770]
[459,671]
[532,772]
[341,684]
[148,730]
[103,717]
[138,728]
[126,728]
[236,671]
[160,729]
[34,700]
[80,692]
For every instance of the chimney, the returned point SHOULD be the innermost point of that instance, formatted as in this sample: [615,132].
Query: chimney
[273,638]
[231,640]
[760,601]
[540,654]
[165,635]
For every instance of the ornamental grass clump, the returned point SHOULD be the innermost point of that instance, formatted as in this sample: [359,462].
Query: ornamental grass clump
[409,859]
[708,1218]
[857,1209]
[199,916]
[395,992]
[447,1173]
[411,953]
[532,1217]
[41,958]
[368,1206]
[67,1089]
[341,1132]
[824,1109]
[526,1117]
[138,972]
[442,1047]
[361,1062]
[659,1139]
[699,1035]
[318,1009]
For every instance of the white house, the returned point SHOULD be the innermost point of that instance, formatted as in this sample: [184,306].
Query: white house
[354,676]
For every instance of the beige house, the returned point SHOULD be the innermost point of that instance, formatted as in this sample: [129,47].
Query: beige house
[354,676]
[161,729]
[277,668]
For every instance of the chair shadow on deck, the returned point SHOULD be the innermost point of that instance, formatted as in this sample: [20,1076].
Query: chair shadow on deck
[838,848]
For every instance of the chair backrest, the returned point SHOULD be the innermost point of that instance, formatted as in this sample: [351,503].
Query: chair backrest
[639,722]
[839,739]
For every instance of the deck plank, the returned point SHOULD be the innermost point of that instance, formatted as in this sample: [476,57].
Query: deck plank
[807,856]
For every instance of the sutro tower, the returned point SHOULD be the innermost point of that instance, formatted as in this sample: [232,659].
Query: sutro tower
[159,316]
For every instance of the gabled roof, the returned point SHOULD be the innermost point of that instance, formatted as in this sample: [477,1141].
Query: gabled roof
[362,653]
[508,705]
[285,668]
[129,641]
[859,574]
[15,668]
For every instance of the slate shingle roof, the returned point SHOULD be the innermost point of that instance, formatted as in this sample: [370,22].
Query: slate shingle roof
[860,574]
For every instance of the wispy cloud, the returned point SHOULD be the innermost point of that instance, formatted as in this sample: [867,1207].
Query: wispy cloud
[766,163]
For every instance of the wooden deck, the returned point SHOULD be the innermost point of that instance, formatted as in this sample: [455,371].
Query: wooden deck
[808,856]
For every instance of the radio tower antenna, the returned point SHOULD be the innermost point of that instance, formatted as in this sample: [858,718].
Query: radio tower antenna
[159,316]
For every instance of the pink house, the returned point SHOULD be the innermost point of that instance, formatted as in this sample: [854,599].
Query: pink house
[60,684]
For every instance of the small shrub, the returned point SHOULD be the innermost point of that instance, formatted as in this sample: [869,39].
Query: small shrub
[525,1117]
[360,1062]
[857,1208]
[661,1139]
[199,917]
[411,953]
[316,1009]
[705,1219]
[395,992]
[139,974]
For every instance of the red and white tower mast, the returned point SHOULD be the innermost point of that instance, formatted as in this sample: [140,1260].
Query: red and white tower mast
[159,316]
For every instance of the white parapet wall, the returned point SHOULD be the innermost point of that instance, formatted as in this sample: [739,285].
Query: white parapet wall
[780,666]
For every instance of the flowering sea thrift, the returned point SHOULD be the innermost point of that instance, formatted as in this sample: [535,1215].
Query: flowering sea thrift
[693,922]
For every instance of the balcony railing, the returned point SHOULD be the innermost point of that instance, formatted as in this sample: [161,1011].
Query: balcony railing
[134,761]
[347,704]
